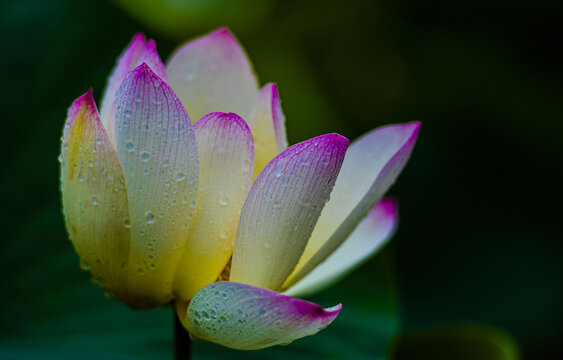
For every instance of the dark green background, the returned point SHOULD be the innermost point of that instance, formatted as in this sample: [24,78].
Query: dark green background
[480,200]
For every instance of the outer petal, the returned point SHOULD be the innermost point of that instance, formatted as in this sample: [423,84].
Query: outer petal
[226,154]
[94,197]
[245,317]
[139,51]
[212,73]
[157,149]
[282,208]
[370,235]
[370,168]
[267,123]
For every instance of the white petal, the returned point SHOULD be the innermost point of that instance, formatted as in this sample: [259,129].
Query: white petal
[282,208]
[137,52]
[157,148]
[245,317]
[212,73]
[369,236]
[371,166]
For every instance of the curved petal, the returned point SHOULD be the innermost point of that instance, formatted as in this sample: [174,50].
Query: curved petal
[245,317]
[369,236]
[157,149]
[267,123]
[212,73]
[282,208]
[371,166]
[137,52]
[94,197]
[226,154]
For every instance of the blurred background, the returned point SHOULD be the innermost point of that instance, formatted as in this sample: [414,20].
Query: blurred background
[474,271]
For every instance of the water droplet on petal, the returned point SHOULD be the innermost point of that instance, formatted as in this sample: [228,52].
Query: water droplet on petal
[129,146]
[180,176]
[278,170]
[145,156]
[94,200]
[83,265]
[223,201]
[149,217]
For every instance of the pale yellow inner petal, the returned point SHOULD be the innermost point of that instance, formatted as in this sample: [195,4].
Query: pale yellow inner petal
[225,160]
[95,202]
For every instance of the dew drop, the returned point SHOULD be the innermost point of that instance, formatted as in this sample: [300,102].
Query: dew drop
[127,223]
[129,146]
[83,265]
[94,200]
[223,201]
[278,170]
[145,156]
[181,128]
[165,163]
[98,141]
[127,113]
[149,217]
[246,165]
[180,176]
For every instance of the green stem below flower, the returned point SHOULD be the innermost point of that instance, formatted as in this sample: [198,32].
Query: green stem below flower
[182,341]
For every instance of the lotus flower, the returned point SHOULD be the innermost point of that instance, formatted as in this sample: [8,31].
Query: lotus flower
[220,217]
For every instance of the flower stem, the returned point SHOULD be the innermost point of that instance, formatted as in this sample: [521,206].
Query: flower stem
[182,341]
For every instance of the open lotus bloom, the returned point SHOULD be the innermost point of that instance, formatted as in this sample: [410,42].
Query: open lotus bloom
[212,211]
